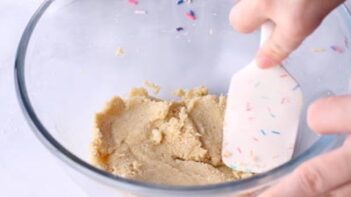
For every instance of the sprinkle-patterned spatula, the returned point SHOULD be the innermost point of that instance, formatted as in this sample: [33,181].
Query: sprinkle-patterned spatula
[262,116]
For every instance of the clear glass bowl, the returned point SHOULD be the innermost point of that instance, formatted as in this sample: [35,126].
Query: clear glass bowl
[66,69]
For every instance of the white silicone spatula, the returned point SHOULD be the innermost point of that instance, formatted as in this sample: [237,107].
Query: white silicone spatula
[262,116]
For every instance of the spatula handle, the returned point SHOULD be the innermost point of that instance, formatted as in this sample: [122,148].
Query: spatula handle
[266,31]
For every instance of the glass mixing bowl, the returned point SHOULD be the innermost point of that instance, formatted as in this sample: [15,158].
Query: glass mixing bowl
[67,68]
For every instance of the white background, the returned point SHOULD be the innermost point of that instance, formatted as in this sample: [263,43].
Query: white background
[26,168]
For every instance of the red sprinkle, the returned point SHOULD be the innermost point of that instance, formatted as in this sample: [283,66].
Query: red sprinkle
[133,2]
[255,139]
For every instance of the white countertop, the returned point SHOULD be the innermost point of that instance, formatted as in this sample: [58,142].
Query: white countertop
[26,167]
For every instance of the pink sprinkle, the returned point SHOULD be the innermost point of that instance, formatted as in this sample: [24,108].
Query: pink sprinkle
[337,49]
[248,107]
[255,139]
[238,149]
[283,75]
[133,2]
[190,15]
[285,100]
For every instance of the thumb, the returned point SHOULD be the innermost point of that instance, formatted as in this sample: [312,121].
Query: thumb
[278,46]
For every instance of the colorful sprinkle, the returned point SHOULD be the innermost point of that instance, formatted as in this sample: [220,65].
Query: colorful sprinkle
[276,132]
[255,139]
[284,100]
[190,15]
[263,132]
[297,86]
[318,50]
[119,52]
[283,75]
[180,2]
[179,28]
[238,149]
[133,2]
[337,49]
[140,12]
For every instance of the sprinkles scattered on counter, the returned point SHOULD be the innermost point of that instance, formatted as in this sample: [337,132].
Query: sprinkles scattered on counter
[275,132]
[179,28]
[238,149]
[255,139]
[190,15]
[180,2]
[133,2]
[318,50]
[283,75]
[284,100]
[119,52]
[263,132]
[337,49]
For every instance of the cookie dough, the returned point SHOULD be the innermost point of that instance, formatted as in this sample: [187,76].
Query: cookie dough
[163,142]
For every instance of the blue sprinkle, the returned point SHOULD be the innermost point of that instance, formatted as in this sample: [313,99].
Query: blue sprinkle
[192,13]
[296,87]
[263,132]
[180,2]
[272,115]
[179,28]
[276,132]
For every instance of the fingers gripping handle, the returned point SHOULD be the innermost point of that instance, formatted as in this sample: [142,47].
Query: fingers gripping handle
[266,31]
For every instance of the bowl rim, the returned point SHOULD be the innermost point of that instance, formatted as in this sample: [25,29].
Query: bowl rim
[323,144]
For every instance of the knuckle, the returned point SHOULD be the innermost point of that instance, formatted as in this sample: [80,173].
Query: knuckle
[264,5]
[310,180]
[238,23]
[277,50]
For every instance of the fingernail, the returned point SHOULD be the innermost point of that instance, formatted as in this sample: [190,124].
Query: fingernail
[265,61]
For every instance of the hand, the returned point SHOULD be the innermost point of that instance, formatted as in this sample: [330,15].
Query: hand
[328,174]
[294,20]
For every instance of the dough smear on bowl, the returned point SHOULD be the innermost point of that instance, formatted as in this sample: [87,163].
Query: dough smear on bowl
[164,142]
